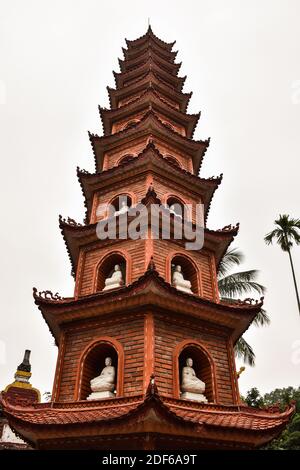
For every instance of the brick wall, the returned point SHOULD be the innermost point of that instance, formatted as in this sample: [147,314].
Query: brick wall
[162,249]
[168,334]
[134,248]
[128,331]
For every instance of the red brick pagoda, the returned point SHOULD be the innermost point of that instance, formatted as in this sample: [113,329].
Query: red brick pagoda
[126,306]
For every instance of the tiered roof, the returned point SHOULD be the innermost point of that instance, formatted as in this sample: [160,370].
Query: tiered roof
[113,422]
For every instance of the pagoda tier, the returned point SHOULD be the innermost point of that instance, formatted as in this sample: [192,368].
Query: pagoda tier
[162,172]
[114,119]
[177,100]
[135,138]
[150,289]
[130,64]
[149,35]
[146,309]
[77,236]
[126,78]
[132,54]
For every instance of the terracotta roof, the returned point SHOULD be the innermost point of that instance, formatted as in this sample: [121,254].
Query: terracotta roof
[135,74]
[200,419]
[149,124]
[144,81]
[149,289]
[91,182]
[167,64]
[148,97]
[133,53]
[76,234]
[145,37]
[244,418]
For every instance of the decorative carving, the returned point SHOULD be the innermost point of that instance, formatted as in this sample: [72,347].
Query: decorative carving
[69,221]
[46,294]
[250,301]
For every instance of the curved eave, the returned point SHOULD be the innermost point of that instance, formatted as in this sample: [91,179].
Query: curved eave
[133,54]
[150,123]
[135,43]
[128,65]
[151,290]
[148,97]
[230,426]
[149,78]
[134,75]
[92,182]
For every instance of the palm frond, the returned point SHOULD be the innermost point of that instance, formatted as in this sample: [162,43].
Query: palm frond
[285,233]
[262,318]
[240,283]
[232,257]
[244,351]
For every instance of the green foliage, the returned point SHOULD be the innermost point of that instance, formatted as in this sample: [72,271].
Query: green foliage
[244,351]
[233,285]
[290,437]
[254,398]
[286,232]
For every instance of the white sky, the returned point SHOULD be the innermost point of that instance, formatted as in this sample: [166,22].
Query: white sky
[56,59]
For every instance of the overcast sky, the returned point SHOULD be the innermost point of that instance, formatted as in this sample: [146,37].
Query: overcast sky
[56,59]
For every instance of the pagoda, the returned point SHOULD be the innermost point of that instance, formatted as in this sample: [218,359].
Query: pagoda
[128,315]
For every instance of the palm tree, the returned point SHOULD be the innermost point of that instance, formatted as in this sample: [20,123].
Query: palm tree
[286,233]
[237,284]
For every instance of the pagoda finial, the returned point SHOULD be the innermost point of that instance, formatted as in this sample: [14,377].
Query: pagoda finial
[21,389]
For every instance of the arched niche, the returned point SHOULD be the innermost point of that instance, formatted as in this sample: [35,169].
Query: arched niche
[119,202]
[93,361]
[172,160]
[188,269]
[177,207]
[126,158]
[202,364]
[106,268]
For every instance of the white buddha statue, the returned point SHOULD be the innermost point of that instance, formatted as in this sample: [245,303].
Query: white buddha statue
[115,280]
[123,209]
[172,210]
[192,388]
[103,386]
[179,282]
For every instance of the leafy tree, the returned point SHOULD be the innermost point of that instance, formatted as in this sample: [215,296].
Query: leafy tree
[254,398]
[232,285]
[290,437]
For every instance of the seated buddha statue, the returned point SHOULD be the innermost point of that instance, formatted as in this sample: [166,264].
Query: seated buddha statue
[172,210]
[103,385]
[115,280]
[192,388]
[179,282]
[123,209]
